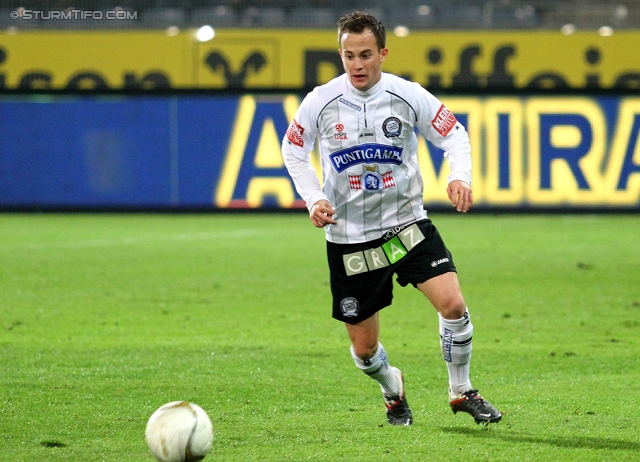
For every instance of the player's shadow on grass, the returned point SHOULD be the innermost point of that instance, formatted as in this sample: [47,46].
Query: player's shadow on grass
[573,442]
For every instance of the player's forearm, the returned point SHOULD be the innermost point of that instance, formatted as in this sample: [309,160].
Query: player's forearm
[304,178]
[459,156]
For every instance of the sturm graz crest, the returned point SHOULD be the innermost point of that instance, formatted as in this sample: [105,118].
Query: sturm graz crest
[371,180]
[392,127]
[349,307]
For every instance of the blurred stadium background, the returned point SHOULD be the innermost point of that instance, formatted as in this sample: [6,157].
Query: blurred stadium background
[107,316]
[439,14]
[182,104]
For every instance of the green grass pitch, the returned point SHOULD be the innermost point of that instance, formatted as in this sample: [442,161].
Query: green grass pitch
[103,318]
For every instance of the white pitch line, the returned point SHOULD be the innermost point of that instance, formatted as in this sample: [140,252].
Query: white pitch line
[111,242]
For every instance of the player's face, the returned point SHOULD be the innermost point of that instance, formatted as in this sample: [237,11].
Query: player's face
[361,59]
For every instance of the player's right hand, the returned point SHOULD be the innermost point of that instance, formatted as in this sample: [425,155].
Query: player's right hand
[321,214]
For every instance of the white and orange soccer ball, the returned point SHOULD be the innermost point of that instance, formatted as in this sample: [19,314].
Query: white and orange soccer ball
[179,432]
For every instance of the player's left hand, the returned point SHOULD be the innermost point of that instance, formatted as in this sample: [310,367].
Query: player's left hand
[461,195]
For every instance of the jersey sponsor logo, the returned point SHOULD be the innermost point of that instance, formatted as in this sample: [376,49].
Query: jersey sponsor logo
[371,180]
[444,121]
[346,102]
[349,307]
[392,127]
[294,133]
[340,135]
[365,154]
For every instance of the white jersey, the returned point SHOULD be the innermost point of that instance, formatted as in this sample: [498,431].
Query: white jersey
[368,147]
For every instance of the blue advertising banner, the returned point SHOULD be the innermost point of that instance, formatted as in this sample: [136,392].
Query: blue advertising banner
[223,151]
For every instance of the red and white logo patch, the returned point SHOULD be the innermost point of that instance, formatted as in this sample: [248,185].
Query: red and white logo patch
[355,182]
[340,135]
[294,133]
[444,121]
[387,180]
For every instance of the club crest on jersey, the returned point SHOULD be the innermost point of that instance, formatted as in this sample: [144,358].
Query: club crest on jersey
[392,127]
[371,181]
[444,121]
[368,153]
[294,133]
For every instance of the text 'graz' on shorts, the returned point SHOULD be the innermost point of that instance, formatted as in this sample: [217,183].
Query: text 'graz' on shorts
[362,274]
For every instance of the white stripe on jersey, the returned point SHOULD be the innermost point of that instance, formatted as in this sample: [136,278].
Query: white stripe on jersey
[368,147]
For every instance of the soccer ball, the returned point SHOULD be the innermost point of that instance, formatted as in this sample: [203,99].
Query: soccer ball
[179,432]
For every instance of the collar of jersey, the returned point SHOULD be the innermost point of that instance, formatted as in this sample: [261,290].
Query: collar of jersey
[365,94]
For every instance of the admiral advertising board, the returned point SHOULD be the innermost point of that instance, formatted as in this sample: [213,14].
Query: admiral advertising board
[222,150]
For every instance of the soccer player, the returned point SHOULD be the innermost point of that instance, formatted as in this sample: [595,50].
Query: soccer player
[371,207]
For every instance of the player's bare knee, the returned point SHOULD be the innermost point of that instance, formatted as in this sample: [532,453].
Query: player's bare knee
[453,308]
[365,352]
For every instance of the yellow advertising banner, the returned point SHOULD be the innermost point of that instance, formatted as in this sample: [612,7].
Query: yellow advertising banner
[95,60]
[271,58]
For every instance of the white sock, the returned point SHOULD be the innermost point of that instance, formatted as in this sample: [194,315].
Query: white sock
[455,341]
[377,367]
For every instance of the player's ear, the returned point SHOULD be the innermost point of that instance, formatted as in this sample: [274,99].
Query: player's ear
[383,54]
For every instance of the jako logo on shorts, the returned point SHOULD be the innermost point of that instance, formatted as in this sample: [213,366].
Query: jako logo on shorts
[437,262]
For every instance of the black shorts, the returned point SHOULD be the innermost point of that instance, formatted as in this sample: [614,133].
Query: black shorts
[362,274]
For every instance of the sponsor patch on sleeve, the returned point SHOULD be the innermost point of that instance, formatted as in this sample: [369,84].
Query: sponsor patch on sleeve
[294,133]
[444,121]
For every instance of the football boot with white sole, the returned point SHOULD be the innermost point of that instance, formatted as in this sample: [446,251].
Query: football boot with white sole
[398,411]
